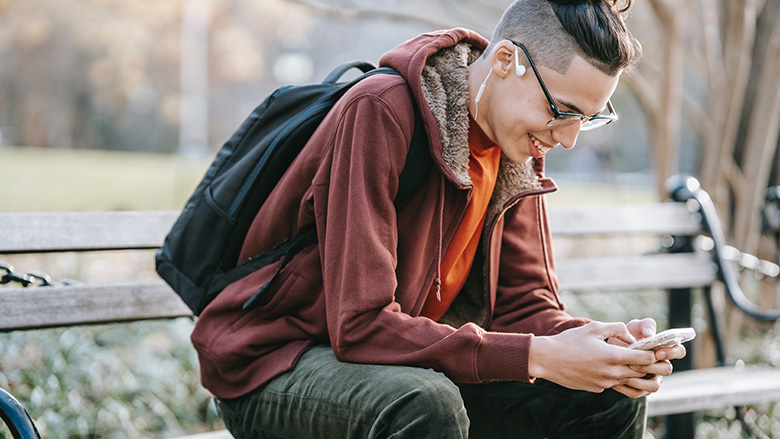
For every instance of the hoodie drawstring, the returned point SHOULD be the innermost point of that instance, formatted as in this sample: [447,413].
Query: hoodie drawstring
[437,279]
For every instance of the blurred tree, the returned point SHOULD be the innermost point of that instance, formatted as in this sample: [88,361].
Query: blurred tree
[107,73]
[79,73]
[732,47]
[733,50]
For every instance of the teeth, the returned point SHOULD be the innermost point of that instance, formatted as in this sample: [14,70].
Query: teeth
[542,149]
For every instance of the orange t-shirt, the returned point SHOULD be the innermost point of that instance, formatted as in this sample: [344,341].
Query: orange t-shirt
[457,260]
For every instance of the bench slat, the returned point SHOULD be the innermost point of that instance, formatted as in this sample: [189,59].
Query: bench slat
[704,389]
[39,307]
[46,307]
[652,219]
[65,231]
[219,434]
[664,270]
[80,231]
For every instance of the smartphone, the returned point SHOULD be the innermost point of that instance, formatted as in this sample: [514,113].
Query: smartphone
[665,339]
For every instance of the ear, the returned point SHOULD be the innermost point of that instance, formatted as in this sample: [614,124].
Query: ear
[502,59]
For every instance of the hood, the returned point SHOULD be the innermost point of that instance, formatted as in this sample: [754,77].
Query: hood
[436,67]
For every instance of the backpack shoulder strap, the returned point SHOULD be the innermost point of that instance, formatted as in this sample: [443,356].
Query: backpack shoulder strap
[417,166]
[418,160]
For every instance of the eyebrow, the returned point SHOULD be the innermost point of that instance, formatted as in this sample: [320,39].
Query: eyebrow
[570,105]
[576,109]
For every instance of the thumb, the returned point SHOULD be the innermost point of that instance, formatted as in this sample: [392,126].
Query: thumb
[642,328]
[615,330]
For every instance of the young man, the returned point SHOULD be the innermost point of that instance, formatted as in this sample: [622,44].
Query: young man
[441,319]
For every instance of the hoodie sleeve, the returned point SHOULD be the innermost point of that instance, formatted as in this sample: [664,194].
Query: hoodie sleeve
[357,229]
[527,298]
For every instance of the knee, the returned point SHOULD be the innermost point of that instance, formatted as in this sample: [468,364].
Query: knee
[620,415]
[438,399]
[428,408]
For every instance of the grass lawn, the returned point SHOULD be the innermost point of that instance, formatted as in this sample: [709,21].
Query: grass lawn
[37,179]
[34,179]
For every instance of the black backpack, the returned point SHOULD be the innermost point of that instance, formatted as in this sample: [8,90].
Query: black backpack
[200,254]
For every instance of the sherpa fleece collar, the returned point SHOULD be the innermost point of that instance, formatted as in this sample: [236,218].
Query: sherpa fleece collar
[445,88]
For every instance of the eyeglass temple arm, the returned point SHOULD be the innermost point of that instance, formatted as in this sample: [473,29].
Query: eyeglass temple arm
[538,76]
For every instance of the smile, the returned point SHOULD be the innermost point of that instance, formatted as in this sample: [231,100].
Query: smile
[541,147]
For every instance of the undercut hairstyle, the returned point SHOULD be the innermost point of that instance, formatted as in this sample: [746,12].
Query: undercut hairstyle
[554,31]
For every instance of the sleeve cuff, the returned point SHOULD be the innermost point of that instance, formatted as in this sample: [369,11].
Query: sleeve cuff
[503,357]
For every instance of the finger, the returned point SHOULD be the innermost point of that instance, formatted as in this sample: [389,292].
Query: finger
[651,384]
[642,328]
[675,352]
[615,330]
[629,357]
[621,359]
[616,342]
[648,327]
[662,368]
[618,375]
[630,391]
[622,372]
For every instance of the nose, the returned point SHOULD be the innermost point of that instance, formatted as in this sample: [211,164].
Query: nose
[567,135]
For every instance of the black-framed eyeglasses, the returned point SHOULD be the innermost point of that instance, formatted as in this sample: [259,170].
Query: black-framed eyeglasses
[564,118]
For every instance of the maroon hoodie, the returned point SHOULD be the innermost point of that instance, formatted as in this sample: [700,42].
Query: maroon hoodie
[360,289]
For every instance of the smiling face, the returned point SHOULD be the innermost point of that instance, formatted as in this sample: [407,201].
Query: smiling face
[514,112]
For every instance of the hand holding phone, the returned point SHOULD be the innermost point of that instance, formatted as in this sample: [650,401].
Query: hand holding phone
[665,339]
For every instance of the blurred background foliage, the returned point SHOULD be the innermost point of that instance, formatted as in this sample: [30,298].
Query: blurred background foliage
[117,104]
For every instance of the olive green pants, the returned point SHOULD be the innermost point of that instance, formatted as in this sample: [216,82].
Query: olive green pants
[325,398]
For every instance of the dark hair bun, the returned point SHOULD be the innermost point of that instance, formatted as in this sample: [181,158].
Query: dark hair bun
[617,5]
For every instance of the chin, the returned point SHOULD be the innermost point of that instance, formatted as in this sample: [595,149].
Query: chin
[518,152]
[519,158]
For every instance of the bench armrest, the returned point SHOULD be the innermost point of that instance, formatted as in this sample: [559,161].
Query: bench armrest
[16,417]
[686,188]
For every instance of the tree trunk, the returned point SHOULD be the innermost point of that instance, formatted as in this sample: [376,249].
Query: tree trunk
[718,173]
[665,126]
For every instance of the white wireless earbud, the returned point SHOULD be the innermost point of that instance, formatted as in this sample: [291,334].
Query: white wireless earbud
[519,68]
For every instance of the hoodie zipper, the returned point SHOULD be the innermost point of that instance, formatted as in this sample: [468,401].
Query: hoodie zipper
[440,240]
[489,244]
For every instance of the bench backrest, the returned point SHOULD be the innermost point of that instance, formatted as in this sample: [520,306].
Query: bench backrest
[609,270]
[65,305]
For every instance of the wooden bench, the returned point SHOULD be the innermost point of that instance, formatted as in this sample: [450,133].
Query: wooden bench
[677,247]
[60,305]
[82,304]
